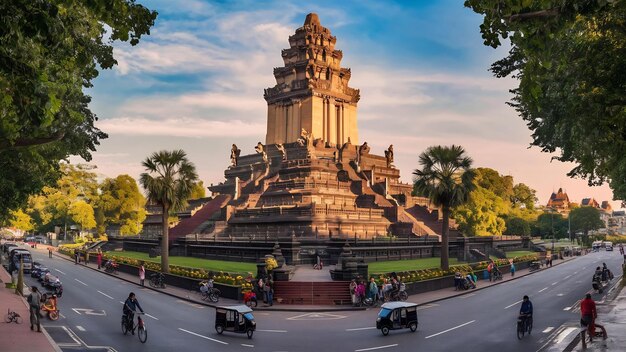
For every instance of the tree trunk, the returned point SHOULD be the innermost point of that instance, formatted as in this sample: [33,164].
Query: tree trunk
[445,229]
[165,242]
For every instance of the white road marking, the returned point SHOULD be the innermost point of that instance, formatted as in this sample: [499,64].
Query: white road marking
[426,306]
[376,348]
[104,294]
[204,337]
[575,272]
[81,282]
[121,302]
[467,295]
[567,308]
[358,329]
[244,345]
[456,327]
[548,329]
[80,328]
[62,316]
[148,315]
[317,316]
[271,330]
[560,295]
[60,271]
[564,334]
[543,289]
[567,277]
[511,305]
[554,283]
[579,282]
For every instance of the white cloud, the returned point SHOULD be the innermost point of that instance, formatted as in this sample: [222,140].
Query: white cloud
[179,127]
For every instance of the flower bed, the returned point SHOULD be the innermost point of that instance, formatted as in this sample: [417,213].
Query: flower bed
[429,274]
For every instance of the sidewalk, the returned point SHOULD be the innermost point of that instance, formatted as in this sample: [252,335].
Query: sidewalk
[422,298]
[19,337]
[613,317]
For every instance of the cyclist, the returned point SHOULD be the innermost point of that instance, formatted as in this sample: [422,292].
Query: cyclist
[130,307]
[526,310]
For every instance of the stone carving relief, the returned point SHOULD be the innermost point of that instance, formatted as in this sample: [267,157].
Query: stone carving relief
[364,149]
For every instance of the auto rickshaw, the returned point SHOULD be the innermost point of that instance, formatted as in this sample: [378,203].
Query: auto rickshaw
[237,319]
[397,315]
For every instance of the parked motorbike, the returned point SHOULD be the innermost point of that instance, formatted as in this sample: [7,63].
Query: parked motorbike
[157,280]
[110,267]
[249,299]
[208,292]
[598,284]
[534,266]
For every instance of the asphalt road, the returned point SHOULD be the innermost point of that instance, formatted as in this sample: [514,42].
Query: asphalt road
[483,320]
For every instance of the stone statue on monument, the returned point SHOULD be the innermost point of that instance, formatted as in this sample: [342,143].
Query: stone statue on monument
[363,150]
[281,149]
[389,156]
[234,155]
[260,149]
[305,138]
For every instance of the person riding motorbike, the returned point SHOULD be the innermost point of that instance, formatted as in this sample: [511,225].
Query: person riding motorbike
[130,307]
[526,310]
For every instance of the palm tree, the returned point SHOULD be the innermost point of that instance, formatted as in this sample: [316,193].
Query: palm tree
[169,180]
[446,179]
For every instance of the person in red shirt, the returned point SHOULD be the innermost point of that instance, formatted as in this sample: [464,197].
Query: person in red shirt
[589,314]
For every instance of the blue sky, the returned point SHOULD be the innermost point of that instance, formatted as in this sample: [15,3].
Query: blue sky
[197,81]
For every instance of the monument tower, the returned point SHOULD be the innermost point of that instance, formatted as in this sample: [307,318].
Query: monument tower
[312,91]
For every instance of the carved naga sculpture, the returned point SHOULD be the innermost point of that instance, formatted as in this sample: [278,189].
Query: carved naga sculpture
[234,155]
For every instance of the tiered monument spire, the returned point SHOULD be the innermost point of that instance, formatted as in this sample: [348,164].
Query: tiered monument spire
[312,91]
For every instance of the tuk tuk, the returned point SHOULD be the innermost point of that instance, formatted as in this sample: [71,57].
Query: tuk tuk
[237,319]
[397,315]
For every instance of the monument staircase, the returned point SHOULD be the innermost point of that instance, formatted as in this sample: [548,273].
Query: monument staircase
[312,293]
[430,218]
[191,224]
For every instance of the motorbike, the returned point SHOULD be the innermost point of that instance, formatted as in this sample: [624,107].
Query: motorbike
[110,267]
[466,284]
[249,299]
[400,296]
[534,266]
[50,306]
[598,284]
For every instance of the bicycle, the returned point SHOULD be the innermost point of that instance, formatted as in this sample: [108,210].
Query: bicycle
[524,326]
[127,325]
[13,317]
[208,292]
[157,280]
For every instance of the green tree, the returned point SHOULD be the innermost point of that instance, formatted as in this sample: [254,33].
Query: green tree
[517,226]
[551,224]
[446,177]
[169,181]
[50,52]
[198,191]
[585,219]
[121,203]
[481,215]
[569,57]
[21,220]
[501,186]
[523,196]
[82,214]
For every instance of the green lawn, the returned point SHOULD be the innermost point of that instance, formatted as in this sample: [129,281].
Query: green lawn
[514,254]
[405,265]
[207,264]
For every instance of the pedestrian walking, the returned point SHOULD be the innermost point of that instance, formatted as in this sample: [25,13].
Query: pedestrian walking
[490,270]
[550,261]
[34,304]
[352,288]
[266,290]
[99,258]
[49,252]
[142,274]
[270,291]
[512,269]
[76,256]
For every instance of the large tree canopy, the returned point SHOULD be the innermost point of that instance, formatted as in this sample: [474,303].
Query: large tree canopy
[570,59]
[50,50]
[121,203]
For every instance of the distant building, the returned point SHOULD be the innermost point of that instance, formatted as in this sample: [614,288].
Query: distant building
[606,207]
[559,201]
[618,219]
[589,202]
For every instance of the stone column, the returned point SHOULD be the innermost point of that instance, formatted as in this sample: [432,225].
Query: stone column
[328,121]
[324,138]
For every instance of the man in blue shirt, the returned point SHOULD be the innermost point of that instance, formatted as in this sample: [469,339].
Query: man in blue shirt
[130,307]
[526,310]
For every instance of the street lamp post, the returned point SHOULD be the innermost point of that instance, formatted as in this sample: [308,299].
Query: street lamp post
[552,226]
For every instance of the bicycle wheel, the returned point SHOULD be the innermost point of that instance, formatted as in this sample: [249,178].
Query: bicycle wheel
[53,315]
[403,296]
[520,330]
[142,333]
[204,296]
[152,283]
[124,326]
[8,318]
[529,326]
[18,319]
